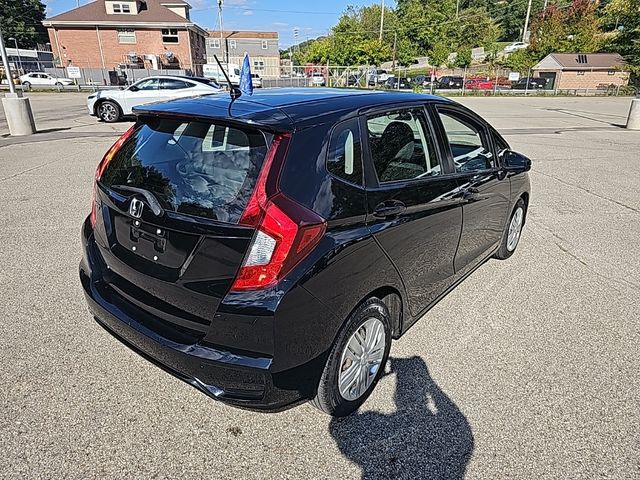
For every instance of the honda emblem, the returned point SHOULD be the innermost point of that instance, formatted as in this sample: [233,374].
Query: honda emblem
[135,208]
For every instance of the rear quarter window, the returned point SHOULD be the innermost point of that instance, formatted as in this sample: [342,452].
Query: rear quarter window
[344,157]
[195,168]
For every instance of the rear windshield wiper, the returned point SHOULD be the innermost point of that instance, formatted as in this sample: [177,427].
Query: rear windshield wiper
[149,197]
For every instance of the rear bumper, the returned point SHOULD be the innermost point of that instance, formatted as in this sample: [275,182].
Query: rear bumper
[242,379]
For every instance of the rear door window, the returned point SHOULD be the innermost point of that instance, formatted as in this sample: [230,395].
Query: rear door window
[195,168]
[401,146]
[174,84]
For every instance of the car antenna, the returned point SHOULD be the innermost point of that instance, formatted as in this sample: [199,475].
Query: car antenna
[233,91]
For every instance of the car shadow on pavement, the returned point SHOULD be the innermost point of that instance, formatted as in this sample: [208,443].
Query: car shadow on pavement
[426,437]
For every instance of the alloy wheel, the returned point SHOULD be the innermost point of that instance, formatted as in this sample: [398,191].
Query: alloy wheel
[108,112]
[515,228]
[361,359]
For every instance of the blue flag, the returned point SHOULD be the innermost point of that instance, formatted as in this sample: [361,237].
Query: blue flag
[246,83]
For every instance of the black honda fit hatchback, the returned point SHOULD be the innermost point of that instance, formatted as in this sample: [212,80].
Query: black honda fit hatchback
[267,250]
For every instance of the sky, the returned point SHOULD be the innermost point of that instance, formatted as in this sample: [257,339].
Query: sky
[312,19]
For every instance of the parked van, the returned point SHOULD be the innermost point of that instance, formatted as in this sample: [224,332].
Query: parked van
[212,71]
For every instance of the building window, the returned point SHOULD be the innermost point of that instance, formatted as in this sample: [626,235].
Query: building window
[611,72]
[581,72]
[258,65]
[232,44]
[169,35]
[265,44]
[126,35]
[121,8]
[214,43]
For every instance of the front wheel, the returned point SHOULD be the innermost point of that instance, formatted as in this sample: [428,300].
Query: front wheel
[513,231]
[26,85]
[109,111]
[356,361]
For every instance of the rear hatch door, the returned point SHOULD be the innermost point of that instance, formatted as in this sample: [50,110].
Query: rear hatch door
[168,205]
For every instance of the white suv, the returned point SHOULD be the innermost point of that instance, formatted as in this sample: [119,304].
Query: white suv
[41,78]
[112,105]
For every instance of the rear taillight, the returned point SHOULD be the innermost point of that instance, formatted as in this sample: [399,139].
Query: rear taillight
[101,167]
[286,232]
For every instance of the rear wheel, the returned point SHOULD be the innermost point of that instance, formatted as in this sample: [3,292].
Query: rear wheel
[109,111]
[356,361]
[513,231]
[58,84]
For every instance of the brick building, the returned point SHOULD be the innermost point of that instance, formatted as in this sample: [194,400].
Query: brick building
[568,71]
[263,49]
[154,34]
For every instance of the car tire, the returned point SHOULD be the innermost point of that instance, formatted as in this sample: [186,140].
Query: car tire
[59,84]
[109,111]
[513,231]
[359,369]
[26,85]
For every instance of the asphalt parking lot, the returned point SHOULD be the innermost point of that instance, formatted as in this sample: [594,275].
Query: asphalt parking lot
[529,369]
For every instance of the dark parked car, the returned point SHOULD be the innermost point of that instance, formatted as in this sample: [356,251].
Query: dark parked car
[392,82]
[530,83]
[449,81]
[352,80]
[267,251]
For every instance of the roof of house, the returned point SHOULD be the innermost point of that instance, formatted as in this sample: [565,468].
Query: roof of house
[580,61]
[155,12]
[242,34]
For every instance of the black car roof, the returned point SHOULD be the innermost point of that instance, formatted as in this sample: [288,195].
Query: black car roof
[282,108]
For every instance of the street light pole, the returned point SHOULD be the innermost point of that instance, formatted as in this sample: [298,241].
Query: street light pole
[15,42]
[381,18]
[526,22]
[5,61]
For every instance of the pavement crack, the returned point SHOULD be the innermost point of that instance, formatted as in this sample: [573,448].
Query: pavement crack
[586,190]
[558,241]
[28,170]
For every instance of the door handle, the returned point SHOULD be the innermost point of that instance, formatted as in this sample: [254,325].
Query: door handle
[389,209]
[470,193]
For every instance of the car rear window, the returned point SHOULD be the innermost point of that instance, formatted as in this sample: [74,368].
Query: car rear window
[195,168]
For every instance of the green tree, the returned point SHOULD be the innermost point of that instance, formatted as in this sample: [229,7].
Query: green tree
[626,38]
[477,29]
[317,51]
[574,29]
[22,20]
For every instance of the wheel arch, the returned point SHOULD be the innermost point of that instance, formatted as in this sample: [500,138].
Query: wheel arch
[100,101]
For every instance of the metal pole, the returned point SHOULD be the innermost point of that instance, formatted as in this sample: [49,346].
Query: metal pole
[526,22]
[221,29]
[526,85]
[395,39]
[15,42]
[381,18]
[7,68]
[464,80]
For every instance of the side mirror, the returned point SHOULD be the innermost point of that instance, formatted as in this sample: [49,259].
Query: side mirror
[133,88]
[515,162]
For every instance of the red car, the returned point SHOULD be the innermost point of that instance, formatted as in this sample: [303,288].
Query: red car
[478,84]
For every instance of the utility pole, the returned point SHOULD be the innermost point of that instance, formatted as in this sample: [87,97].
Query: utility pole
[222,45]
[526,22]
[395,39]
[381,19]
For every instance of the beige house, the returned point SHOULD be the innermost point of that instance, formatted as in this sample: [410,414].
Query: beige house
[568,71]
